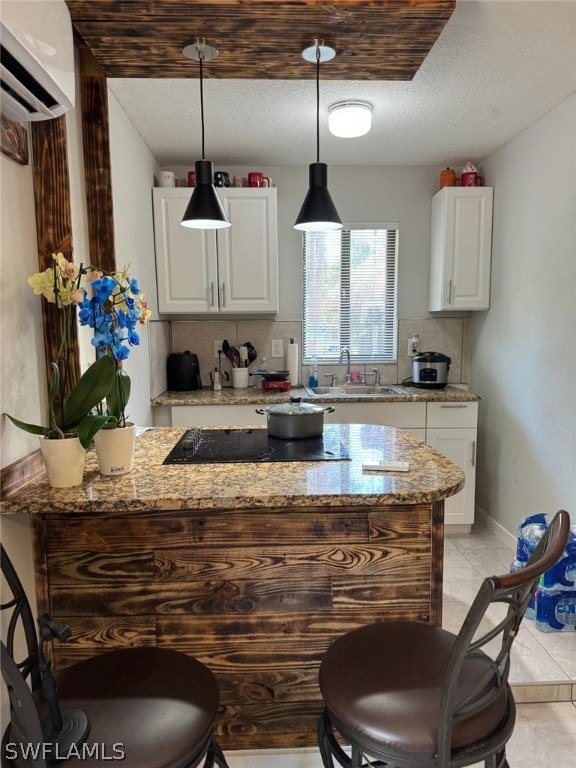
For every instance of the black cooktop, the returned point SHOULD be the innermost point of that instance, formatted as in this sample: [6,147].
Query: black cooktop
[197,446]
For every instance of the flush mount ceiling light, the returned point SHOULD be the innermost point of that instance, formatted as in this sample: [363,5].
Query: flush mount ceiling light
[318,212]
[348,119]
[204,210]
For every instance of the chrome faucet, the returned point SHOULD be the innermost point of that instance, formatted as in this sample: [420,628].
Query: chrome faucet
[333,378]
[345,352]
[376,373]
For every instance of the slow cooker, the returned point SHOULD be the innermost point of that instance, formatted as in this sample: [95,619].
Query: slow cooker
[430,370]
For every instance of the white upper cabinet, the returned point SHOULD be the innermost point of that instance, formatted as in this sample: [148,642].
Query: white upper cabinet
[233,270]
[461,248]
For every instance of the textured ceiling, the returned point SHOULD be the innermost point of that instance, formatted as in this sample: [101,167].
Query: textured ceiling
[497,66]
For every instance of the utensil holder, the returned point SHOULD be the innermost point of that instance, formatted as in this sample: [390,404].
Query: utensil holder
[239,378]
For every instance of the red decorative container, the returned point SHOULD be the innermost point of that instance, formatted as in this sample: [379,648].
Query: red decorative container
[471,179]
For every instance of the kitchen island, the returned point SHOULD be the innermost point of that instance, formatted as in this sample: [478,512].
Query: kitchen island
[253,568]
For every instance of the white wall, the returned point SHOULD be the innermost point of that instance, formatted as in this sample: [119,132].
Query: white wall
[523,362]
[133,169]
[22,374]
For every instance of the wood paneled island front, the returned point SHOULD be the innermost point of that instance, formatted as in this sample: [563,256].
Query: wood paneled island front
[253,568]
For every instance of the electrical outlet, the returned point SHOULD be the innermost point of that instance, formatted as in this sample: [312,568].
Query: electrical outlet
[277,348]
[217,347]
[413,345]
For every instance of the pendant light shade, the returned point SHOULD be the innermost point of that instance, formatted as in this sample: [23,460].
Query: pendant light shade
[318,212]
[204,211]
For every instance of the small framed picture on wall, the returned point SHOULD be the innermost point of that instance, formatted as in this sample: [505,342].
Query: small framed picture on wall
[14,140]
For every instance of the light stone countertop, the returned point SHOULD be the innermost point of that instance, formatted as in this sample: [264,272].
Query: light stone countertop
[270,486]
[255,396]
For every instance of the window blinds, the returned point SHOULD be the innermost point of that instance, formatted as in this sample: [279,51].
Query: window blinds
[350,286]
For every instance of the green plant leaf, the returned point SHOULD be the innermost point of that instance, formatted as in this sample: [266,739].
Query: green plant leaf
[92,388]
[34,429]
[88,427]
[117,398]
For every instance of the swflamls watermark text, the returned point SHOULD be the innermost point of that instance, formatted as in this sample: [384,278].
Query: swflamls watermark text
[54,752]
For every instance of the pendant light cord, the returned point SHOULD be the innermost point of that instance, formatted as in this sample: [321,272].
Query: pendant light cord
[317,103]
[200,59]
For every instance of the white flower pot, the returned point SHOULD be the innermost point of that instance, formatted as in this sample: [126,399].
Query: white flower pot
[115,449]
[64,461]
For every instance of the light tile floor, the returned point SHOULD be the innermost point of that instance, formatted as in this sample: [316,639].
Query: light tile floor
[537,657]
[543,669]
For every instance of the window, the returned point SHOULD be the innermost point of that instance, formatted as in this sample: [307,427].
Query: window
[350,278]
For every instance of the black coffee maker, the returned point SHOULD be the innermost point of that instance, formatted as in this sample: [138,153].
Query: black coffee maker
[183,372]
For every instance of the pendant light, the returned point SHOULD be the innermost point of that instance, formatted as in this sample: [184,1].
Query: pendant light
[318,212]
[204,211]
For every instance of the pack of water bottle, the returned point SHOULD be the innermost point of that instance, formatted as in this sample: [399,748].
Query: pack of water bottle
[553,603]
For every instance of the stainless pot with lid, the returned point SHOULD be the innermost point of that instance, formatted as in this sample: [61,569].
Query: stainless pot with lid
[430,370]
[295,419]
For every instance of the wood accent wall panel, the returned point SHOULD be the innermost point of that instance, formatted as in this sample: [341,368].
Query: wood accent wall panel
[53,228]
[98,176]
[258,596]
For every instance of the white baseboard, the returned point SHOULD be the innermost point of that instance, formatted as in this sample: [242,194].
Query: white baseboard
[508,539]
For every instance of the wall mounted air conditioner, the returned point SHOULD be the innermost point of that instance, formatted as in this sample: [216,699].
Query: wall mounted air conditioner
[37,59]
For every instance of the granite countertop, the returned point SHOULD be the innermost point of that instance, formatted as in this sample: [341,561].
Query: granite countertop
[255,395]
[266,485]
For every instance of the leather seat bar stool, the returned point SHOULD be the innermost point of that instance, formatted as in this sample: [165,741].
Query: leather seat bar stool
[410,695]
[145,707]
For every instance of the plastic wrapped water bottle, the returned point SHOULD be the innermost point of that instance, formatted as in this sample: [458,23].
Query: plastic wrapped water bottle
[555,610]
[562,575]
[530,531]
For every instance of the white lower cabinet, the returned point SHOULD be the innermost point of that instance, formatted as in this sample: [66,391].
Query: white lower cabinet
[451,428]
[217,416]
[410,416]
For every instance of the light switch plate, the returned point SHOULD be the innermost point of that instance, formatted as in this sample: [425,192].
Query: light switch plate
[277,348]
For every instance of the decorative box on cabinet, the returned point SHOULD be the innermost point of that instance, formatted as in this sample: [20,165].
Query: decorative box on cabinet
[461,248]
[233,270]
[451,428]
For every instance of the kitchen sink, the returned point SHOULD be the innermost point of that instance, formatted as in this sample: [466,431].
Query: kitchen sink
[349,390]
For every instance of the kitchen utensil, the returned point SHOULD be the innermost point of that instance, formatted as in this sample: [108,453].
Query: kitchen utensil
[295,419]
[243,352]
[227,350]
[252,353]
[430,370]
[183,372]
[271,375]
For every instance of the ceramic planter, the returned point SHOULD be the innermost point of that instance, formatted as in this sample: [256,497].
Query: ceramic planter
[64,461]
[115,449]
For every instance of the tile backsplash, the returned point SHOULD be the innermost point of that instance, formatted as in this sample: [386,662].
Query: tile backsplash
[446,335]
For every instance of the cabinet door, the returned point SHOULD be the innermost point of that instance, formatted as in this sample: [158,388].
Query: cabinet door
[461,244]
[186,265]
[459,445]
[248,251]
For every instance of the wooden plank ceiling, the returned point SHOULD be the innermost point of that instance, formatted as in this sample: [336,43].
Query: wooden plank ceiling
[374,40]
